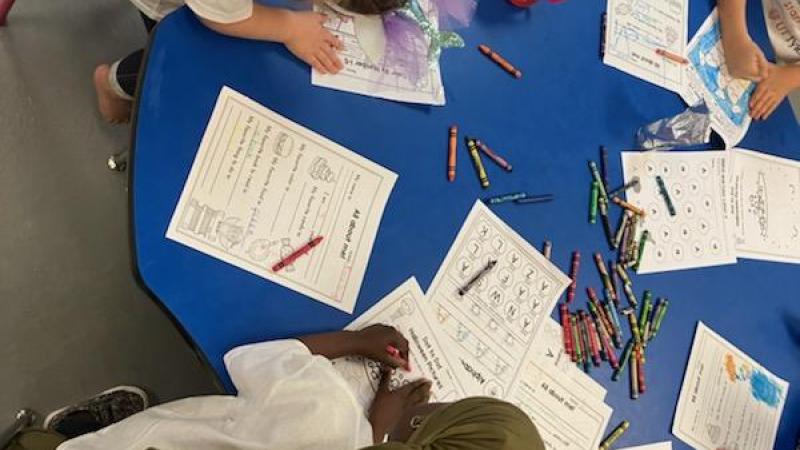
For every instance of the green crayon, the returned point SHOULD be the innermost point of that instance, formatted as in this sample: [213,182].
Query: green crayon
[644,314]
[626,355]
[595,192]
[661,311]
[598,179]
[642,242]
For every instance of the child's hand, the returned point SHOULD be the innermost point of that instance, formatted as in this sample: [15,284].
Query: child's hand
[312,43]
[389,406]
[745,59]
[374,340]
[771,91]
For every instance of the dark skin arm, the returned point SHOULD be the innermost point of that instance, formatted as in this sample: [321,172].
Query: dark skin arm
[370,342]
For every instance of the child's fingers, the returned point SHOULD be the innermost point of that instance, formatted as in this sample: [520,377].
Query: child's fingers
[758,95]
[326,62]
[321,18]
[762,105]
[331,54]
[383,385]
[334,41]
[316,63]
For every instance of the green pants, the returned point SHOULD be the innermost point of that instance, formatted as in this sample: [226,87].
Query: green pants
[35,439]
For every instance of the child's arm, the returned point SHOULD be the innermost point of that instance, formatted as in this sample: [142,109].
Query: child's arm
[301,32]
[744,58]
[370,342]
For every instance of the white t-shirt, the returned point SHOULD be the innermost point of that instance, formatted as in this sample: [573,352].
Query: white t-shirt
[288,399]
[221,11]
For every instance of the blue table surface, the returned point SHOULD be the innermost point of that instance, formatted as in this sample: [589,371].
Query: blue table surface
[548,124]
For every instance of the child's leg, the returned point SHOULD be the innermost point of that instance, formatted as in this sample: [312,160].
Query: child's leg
[771,92]
[115,84]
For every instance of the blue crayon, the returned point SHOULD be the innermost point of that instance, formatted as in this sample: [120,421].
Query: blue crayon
[615,319]
[498,199]
[535,199]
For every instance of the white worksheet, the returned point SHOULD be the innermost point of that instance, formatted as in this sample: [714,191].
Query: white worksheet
[364,69]
[635,29]
[766,206]
[493,325]
[666,445]
[567,417]
[728,98]
[406,310]
[701,232]
[727,400]
[548,350]
[262,186]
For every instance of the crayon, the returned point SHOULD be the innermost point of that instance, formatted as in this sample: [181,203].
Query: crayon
[476,161]
[623,361]
[451,154]
[634,183]
[598,179]
[634,374]
[395,353]
[499,60]
[640,252]
[605,340]
[494,156]
[543,198]
[603,20]
[603,208]
[593,196]
[612,311]
[661,311]
[474,280]
[595,302]
[615,435]
[576,340]
[623,274]
[599,316]
[640,370]
[662,189]
[604,166]
[672,56]
[547,251]
[588,350]
[612,277]
[628,206]
[603,271]
[504,198]
[594,345]
[565,328]
[623,224]
[632,301]
[634,324]
[292,257]
[644,314]
[573,274]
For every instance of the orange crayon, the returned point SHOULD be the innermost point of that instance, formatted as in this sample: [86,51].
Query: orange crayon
[451,155]
[671,56]
[500,61]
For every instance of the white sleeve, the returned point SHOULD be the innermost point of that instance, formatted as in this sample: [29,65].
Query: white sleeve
[222,11]
[256,368]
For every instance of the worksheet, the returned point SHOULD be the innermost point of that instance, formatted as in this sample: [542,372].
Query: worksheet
[635,29]
[262,186]
[727,98]
[727,400]
[406,310]
[492,326]
[365,71]
[766,206]
[548,350]
[567,417]
[666,445]
[700,234]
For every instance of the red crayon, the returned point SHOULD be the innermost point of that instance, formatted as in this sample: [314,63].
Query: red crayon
[600,310]
[594,346]
[605,339]
[573,273]
[289,260]
[566,330]
[395,353]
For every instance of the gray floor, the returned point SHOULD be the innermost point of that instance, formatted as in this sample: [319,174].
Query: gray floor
[72,320]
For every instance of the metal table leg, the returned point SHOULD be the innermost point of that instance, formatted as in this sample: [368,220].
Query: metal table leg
[23,419]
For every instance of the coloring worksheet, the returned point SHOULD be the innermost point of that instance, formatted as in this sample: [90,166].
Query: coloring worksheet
[727,98]
[492,326]
[566,415]
[635,29]
[727,400]
[700,234]
[406,310]
[262,186]
[766,206]
[666,445]
[364,69]
[548,350]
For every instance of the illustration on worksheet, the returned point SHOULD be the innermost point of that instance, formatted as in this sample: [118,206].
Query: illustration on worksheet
[493,324]
[700,232]
[366,70]
[261,187]
[635,29]
[727,98]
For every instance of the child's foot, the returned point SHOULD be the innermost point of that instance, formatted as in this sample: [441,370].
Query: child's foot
[113,108]
[771,92]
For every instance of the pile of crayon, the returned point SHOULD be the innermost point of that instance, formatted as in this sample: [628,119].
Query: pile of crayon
[597,333]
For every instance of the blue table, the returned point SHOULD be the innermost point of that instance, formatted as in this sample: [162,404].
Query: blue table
[548,124]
